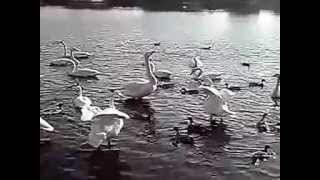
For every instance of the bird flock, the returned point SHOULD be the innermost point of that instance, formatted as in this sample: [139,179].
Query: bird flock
[107,123]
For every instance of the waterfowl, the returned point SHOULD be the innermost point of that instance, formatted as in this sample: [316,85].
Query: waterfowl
[263,125]
[57,110]
[88,112]
[199,75]
[216,103]
[196,62]
[84,72]
[156,44]
[185,139]
[195,128]
[166,85]
[189,91]
[245,64]
[256,84]
[78,54]
[143,87]
[81,100]
[275,96]
[208,47]
[106,125]
[160,74]
[263,155]
[233,88]
[44,125]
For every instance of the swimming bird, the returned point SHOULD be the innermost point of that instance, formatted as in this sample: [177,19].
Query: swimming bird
[208,47]
[45,125]
[106,125]
[185,139]
[81,100]
[262,125]
[189,91]
[202,76]
[233,88]
[84,72]
[196,128]
[216,103]
[160,74]
[196,62]
[246,64]
[256,84]
[156,44]
[65,55]
[142,87]
[88,112]
[263,155]
[78,54]
[57,110]
[275,96]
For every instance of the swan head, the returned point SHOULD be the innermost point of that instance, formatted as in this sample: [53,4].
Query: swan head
[263,80]
[148,54]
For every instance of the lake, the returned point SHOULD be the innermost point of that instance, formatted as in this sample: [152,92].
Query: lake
[118,38]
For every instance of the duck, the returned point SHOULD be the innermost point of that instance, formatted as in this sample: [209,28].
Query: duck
[264,155]
[142,87]
[275,96]
[208,47]
[196,128]
[185,139]
[256,84]
[106,125]
[233,88]
[81,100]
[216,103]
[51,111]
[156,44]
[189,91]
[245,64]
[262,125]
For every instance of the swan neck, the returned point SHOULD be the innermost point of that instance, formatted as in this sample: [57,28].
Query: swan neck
[65,49]
[80,90]
[75,66]
[149,71]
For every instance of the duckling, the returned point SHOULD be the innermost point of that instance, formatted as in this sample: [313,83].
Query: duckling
[256,84]
[185,139]
[233,88]
[156,44]
[263,155]
[262,125]
[189,91]
[196,128]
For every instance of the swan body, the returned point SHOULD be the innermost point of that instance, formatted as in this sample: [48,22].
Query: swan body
[196,62]
[201,76]
[62,62]
[45,125]
[106,125]
[81,100]
[82,55]
[88,112]
[161,74]
[142,87]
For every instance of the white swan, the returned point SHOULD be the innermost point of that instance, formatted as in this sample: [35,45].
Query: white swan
[81,73]
[81,100]
[143,87]
[106,125]
[78,54]
[195,62]
[199,75]
[45,125]
[216,103]
[161,74]
[275,96]
[88,112]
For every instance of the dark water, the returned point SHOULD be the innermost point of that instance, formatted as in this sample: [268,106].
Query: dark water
[118,38]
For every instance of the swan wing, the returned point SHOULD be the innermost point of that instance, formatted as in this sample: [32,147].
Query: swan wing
[88,112]
[226,94]
[211,91]
[45,125]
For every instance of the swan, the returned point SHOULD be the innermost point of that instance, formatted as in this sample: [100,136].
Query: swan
[201,76]
[45,125]
[262,125]
[263,155]
[216,103]
[143,87]
[233,88]
[256,84]
[81,73]
[81,100]
[195,62]
[275,96]
[185,139]
[78,54]
[106,125]
[88,112]
[160,74]
[225,93]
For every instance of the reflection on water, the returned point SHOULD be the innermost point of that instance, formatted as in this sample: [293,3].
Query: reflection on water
[118,38]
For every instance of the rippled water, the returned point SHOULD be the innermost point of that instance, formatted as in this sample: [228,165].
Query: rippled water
[118,38]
